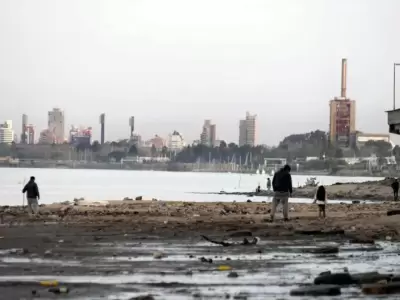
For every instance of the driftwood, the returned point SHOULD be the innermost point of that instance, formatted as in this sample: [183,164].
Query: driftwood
[245,242]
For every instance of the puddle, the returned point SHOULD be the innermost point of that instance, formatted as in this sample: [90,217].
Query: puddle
[132,270]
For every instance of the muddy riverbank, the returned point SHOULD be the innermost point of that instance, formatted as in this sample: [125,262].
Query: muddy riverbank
[130,249]
[369,190]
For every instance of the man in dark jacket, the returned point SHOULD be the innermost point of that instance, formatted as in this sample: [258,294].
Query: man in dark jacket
[32,195]
[282,186]
[395,187]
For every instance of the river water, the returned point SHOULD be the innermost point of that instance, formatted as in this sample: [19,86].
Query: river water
[57,185]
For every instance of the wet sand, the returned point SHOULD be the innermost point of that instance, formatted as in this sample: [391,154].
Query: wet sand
[109,249]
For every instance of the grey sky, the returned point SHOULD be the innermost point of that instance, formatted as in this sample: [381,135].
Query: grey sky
[174,63]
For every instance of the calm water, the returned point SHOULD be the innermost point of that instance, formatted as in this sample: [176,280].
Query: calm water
[57,185]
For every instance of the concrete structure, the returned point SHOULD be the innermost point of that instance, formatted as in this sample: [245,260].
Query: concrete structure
[208,134]
[176,142]
[362,138]
[6,132]
[56,125]
[342,120]
[46,137]
[24,134]
[81,136]
[132,125]
[30,134]
[248,130]
[102,129]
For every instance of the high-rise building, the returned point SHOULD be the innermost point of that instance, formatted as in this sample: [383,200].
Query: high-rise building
[208,134]
[80,136]
[30,133]
[342,117]
[24,133]
[56,125]
[176,141]
[102,124]
[132,125]
[6,132]
[248,130]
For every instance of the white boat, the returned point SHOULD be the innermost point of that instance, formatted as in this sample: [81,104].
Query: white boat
[263,172]
[258,172]
[272,173]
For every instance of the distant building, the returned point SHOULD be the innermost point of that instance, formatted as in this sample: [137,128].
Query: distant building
[56,124]
[102,129]
[136,139]
[208,134]
[24,134]
[176,142]
[46,137]
[30,134]
[6,132]
[248,130]
[157,141]
[362,138]
[80,136]
[342,116]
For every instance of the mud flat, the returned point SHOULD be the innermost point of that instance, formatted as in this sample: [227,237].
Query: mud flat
[137,249]
[369,190]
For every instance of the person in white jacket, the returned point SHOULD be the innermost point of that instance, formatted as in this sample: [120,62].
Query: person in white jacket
[321,199]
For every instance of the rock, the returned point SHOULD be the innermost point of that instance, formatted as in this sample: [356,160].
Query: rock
[320,232]
[335,279]
[360,240]
[370,277]
[233,275]
[206,260]
[145,297]
[241,234]
[326,250]
[159,255]
[319,290]
[393,212]
[154,199]
[248,201]
[139,198]
[127,199]
[325,273]
[355,202]
[381,289]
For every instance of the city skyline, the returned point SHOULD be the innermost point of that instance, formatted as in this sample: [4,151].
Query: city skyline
[171,70]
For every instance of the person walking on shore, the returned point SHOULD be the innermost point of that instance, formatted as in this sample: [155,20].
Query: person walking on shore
[32,195]
[268,184]
[395,187]
[282,187]
[320,199]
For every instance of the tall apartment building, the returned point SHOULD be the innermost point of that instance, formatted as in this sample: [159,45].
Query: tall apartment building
[248,130]
[6,132]
[176,141]
[24,134]
[342,116]
[208,134]
[56,125]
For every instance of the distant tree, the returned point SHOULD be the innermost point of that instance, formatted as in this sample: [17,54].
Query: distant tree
[153,150]
[117,155]
[164,151]
[96,146]
[133,151]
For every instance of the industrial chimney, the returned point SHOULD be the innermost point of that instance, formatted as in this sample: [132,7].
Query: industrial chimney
[344,77]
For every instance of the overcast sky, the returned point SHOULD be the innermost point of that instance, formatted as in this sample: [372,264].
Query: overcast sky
[174,63]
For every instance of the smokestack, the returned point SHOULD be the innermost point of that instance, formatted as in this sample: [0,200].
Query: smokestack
[344,77]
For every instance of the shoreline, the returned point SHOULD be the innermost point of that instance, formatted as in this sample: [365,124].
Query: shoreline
[369,190]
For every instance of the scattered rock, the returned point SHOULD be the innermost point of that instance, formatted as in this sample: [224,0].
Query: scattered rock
[145,297]
[139,198]
[248,201]
[241,234]
[393,212]
[355,202]
[159,255]
[233,275]
[206,260]
[319,290]
[326,250]
[127,199]
[381,289]
[335,279]
[370,277]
